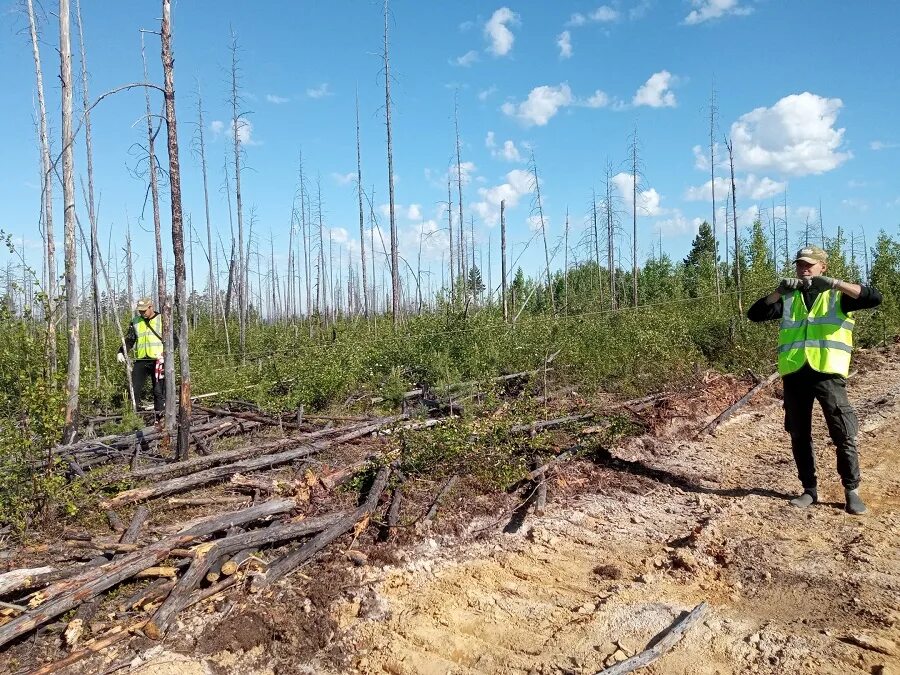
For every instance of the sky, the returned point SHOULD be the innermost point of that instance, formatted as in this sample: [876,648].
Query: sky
[805,91]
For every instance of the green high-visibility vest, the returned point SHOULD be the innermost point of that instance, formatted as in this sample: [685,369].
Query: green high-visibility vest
[148,344]
[821,337]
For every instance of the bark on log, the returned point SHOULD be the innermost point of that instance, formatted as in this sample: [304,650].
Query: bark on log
[16,580]
[155,590]
[289,562]
[70,593]
[648,656]
[540,502]
[207,554]
[204,501]
[137,522]
[113,636]
[432,510]
[115,523]
[233,564]
[740,403]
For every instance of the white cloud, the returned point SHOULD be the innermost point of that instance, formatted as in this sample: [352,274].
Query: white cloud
[598,99]
[434,239]
[883,145]
[656,92]
[795,136]
[535,221]
[805,213]
[701,156]
[603,14]
[518,183]
[321,91]
[508,152]
[748,187]
[338,235]
[542,104]
[217,127]
[276,99]
[677,225]
[564,42]
[414,212]
[343,178]
[707,10]
[497,31]
[484,94]
[855,204]
[244,131]
[466,171]
[466,59]
[647,200]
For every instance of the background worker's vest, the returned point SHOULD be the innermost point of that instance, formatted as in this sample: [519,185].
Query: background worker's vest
[822,337]
[148,344]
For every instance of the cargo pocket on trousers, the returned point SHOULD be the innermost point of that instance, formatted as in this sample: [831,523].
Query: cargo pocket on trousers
[846,422]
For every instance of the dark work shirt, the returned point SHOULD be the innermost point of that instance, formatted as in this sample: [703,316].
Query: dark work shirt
[760,311]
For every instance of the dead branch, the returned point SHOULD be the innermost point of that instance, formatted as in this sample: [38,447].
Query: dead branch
[669,640]
[432,510]
[740,403]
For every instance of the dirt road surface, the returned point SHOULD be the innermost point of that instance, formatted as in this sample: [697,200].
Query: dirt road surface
[674,523]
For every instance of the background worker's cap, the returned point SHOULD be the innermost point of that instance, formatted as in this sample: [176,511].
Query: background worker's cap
[144,304]
[811,254]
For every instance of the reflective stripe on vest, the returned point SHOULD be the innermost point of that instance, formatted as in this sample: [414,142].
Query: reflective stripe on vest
[821,337]
[148,345]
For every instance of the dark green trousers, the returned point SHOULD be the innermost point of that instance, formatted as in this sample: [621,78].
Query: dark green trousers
[801,389]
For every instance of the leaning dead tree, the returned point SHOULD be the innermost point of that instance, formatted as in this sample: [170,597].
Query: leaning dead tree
[395,259]
[71,254]
[540,212]
[462,239]
[184,399]
[212,289]
[737,239]
[46,192]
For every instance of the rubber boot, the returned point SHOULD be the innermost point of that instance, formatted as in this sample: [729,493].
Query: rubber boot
[808,498]
[854,504]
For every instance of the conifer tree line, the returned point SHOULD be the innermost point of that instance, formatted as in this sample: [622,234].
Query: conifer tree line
[226,275]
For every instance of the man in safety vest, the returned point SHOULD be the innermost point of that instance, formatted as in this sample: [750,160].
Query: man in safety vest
[145,338]
[814,347]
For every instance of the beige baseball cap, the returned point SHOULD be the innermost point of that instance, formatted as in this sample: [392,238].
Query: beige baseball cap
[144,304]
[812,255]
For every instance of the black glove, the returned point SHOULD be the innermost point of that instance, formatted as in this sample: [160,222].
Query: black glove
[788,286]
[823,283]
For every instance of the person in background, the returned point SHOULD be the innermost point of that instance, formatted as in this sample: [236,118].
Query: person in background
[145,338]
[814,347]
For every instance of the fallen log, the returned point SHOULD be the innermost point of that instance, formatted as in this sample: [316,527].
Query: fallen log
[115,523]
[21,579]
[204,501]
[155,590]
[233,564]
[669,640]
[115,635]
[740,403]
[540,502]
[65,595]
[432,510]
[134,528]
[541,425]
[207,554]
[291,561]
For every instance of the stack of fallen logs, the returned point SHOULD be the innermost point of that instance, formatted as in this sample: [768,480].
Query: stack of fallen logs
[197,560]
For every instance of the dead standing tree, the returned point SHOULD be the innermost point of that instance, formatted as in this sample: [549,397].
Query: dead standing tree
[737,239]
[46,192]
[168,63]
[73,379]
[210,249]
[395,261]
[635,175]
[237,125]
[713,118]
[462,239]
[362,237]
[164,303]
[539,207]
[91,204]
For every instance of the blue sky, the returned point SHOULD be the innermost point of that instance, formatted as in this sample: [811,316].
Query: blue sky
[807,90]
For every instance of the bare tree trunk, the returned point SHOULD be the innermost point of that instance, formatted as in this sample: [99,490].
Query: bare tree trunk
[242,266]
[92,214]
[713,112]
[634,260]
[462,237]
[395,261]
[213,290]
[129,265]
[321,298]
[566,266]
[450,228]
[540,210]
[184,402]
[737,239]
[359,193]
[597,245]
[304,235]
[71,253]
[46,193]
[503,259]
[610,240]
